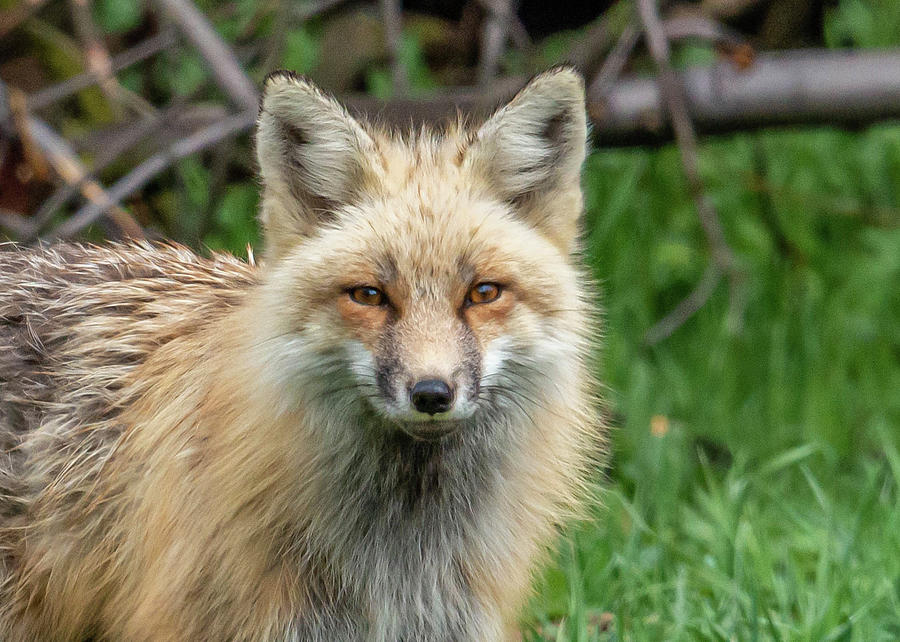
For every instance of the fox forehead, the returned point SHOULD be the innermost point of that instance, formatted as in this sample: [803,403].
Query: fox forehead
[427,238]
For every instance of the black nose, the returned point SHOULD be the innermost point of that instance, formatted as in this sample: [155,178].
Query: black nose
[432,396]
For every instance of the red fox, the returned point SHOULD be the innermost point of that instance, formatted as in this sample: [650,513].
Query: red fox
[373,434]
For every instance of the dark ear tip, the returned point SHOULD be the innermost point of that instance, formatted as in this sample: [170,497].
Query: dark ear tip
[283,75]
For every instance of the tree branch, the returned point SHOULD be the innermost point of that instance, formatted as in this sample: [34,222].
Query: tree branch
[686,138]
[391,16]
[67,165]
[225,67]
[143,173]
[807,87]
[141,51]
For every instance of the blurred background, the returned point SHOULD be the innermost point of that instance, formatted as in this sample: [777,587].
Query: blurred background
[743,220]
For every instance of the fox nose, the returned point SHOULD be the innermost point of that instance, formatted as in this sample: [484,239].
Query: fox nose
[431,396]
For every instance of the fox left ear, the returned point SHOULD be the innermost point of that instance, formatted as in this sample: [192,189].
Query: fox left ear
[531,152]
[313,156]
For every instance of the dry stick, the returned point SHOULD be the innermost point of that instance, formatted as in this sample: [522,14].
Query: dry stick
[67,165]
[686,139]
[141,51]
[15,223]
[221,60]
[493,39]
[393,29]
[13,17]
[96,57]
[135,133]
[307,10]
[687,308]
[143,173]
[517,32]
[615,62]
[803,87]
[98,62]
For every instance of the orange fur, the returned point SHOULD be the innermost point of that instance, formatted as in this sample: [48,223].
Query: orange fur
[201,449]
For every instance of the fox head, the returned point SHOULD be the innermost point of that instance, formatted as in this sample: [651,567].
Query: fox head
[428,277]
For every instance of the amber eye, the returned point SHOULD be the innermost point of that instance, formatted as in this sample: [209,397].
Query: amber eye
[483,293]
[367,295]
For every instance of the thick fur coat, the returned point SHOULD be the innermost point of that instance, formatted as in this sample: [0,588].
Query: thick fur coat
[205,449]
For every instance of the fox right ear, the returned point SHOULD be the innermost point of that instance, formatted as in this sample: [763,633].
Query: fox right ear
[313,158]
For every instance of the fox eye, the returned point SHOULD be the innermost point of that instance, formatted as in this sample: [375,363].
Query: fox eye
[367,295]
[483,293]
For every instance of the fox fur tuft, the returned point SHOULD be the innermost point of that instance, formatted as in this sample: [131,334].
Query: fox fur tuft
[373,433]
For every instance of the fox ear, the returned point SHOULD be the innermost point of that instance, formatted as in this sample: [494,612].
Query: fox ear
[531,152]
[313,157]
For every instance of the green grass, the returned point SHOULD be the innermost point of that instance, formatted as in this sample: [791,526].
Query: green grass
[769,508]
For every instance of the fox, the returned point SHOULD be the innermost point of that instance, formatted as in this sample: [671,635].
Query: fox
[373,433]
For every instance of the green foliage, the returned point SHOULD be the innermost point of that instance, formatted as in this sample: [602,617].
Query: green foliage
[116,16]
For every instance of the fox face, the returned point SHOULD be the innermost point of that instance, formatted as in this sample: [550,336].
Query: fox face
[427,279]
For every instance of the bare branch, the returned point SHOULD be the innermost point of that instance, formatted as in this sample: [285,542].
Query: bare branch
[688,307]
[616,60]
[16,223]
[143,173]
[98,62]
[141,51]
[800,87]
[70,169]
[808,87]
[686,138]
[307,10]
[225,67]
[17,14]
[493,38]
[393,30]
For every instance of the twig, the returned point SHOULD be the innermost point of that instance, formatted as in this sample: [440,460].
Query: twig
[141,51]
[70,169]
[803,87]
[17,14]
[98,62]
[587,51]
[686,139]
[127,137]
[687,308]
[15,223]
[215,52]
[393,30]
[96,57]
[32,152]
[140,175]
[307,10]
[616,60]
[493,38]
[516,30]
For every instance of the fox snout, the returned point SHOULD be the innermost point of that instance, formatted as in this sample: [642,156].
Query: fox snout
[431,396]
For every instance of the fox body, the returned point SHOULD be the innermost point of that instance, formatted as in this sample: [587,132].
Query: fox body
[371,435]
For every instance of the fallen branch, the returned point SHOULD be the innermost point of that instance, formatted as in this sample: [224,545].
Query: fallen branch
[143,173]
[686,138]
[17,14]
[803,87]
[807,87]
[70,169]
[141,51]
[221,60]
[493,38]
[687,308]
[391,16]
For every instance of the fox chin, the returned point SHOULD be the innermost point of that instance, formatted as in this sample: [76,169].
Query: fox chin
[373,434]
